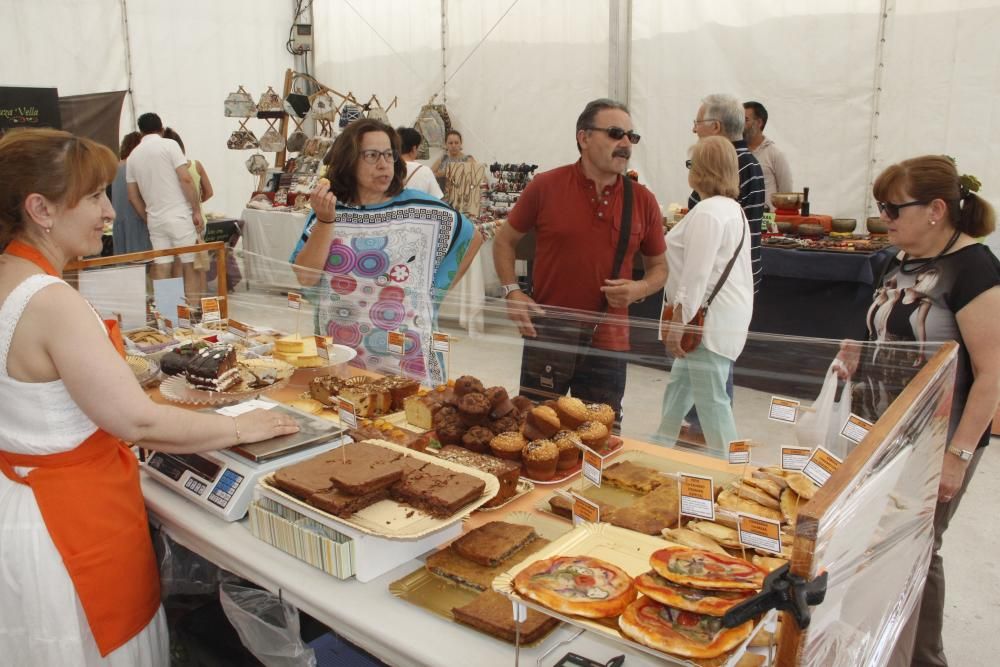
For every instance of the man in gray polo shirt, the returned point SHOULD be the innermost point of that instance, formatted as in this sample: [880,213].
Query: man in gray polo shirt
[777,173]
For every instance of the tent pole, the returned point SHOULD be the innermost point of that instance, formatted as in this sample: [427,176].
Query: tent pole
[620,50]
[128,64]
[886,7]
[444,51]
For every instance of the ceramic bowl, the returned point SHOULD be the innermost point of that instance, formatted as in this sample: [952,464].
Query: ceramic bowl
[811,230]
[785,227]
[877,226]
[843,225]
[787,200]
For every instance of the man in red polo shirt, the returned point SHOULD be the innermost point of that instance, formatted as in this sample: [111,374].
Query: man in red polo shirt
[577,213]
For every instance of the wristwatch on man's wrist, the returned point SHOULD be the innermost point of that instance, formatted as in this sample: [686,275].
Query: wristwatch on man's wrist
[509,289]
[964,454]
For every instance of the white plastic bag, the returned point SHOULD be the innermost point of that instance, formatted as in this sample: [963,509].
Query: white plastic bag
[821,424]
[268,627]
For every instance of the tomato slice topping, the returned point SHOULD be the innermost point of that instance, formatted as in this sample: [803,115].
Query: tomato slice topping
[687,619]
[584,580]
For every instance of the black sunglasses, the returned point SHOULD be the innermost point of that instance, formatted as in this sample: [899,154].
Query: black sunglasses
[687,163]
[892,210]
[617,133]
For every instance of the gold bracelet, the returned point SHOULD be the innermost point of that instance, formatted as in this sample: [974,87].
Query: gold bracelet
[236,425]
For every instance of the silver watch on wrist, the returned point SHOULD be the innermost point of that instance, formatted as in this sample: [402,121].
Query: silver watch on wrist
[964,454]
[508,289]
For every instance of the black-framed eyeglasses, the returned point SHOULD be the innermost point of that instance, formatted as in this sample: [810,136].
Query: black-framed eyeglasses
[371,156]
[617,133]
[892,210]
[687,163]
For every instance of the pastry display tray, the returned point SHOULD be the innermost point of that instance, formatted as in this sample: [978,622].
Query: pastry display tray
[439,596]
[628,550]
[388,518]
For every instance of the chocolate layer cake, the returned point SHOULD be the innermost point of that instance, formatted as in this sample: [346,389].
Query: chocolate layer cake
[213,368]
[507,472]
[438,491]
[177,359]
[449,565]
[362,468]
[343,504]
[493,542]
[490,612]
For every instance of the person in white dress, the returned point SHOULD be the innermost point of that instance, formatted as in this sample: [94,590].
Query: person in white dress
[418,175]
[78,579]
[699,249]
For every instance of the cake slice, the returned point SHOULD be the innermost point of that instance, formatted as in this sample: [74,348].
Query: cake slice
[493,542]
[650,514]
[362,468]
[631,477]
[307,477]
[447,564]
[438,491]
[507,472]
[490,613]
[213,369]
[342,504]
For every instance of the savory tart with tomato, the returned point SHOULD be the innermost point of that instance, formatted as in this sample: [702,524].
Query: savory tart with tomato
[678,631]
[703,569]
[577,585]
[712,603]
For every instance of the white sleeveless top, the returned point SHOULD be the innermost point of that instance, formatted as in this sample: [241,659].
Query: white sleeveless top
[35,417]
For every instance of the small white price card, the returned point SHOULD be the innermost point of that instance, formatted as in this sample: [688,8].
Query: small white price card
[168,326]
[697,496]
[794,458]
[758,533]
[820,466]
[396,341]
[593,466]
[739,452]
[237,328]
[321,349]
[440,342]
[348,414]
[210,309]
[294,300]
[856,428]
[183,317]
[585,511]
[783,410]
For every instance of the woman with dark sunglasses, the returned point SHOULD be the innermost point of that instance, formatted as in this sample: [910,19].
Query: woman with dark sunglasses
[944,286]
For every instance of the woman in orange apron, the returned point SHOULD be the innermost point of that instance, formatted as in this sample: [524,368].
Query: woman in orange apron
[78,578]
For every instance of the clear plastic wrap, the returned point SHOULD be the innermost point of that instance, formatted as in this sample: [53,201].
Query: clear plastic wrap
[183,572]
[268,627]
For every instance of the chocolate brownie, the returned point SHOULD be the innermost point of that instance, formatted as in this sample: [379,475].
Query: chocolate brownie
[507,472]
[363,468]
[447,564]
[438,491]
[306,477]
[343,504]
[490,613]
[493,542]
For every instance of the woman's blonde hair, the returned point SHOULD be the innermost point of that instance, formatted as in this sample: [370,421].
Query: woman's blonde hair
[715,169]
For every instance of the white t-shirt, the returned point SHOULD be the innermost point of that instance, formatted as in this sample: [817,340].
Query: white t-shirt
[420,177]
[698,249]
[152,166]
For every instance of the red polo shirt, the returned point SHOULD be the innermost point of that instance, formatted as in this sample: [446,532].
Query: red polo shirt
[577,232]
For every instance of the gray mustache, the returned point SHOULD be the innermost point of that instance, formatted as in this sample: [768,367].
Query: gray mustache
[622,152]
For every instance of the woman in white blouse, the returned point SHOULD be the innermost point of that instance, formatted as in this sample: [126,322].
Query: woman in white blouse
[698,250]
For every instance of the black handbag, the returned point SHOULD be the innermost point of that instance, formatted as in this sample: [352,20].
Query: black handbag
[549,359]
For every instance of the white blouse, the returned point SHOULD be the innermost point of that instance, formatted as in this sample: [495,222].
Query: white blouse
[698,249]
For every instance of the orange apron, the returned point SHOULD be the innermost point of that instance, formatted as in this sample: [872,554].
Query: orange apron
[92,505]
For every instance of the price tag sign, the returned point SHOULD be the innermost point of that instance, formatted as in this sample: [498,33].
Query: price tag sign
[697,496]
[183,317]
[820,466]
[322,351]
[396,342]
[294,300]
[237,328]
[585,511]
[739,452]
[440,342]
[168,326]
[768,220]
[757,533]
[348,413]
[794,458]
[593,466]
[856,428]
[210,310]
[783,410]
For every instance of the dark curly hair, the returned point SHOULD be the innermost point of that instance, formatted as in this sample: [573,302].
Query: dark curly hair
[342,160]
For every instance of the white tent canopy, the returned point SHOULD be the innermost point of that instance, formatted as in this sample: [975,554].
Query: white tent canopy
[850,85]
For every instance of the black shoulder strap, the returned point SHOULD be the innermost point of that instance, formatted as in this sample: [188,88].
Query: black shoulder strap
[626,229]
[732,260]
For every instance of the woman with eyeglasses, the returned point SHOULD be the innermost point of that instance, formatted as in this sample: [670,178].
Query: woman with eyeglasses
[708,260]
[941,285]
[379,256]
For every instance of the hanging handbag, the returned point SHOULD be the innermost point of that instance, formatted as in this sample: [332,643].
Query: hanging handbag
[691,338]
[296,141]
[322,107]
[239,105]
[257,164]
[271,141]
[270,105]
[349,113]
[430,124]
[242,139]
[297,105]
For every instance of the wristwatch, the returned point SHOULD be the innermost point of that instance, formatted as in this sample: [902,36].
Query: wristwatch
[507,289]
[963,454]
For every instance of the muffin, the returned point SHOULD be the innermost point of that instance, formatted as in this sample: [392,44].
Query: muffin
[508,445]
[473,409]
[522,403]
[541,422]
[500,403]
[568,443]
[572,411]
[477,439]
[443,414]
[594,435]
[508,423]
[601,412]
[467,385]
[450,431]
[540,459]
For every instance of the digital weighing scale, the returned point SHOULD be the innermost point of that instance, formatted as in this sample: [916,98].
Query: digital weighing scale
[223,481]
